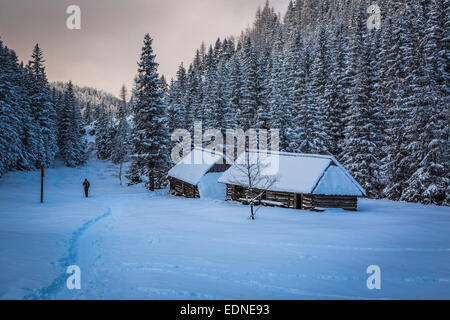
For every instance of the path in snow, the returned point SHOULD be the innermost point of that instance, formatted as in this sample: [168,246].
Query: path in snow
[51,290]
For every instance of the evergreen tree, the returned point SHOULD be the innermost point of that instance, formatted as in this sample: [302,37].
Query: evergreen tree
[120,142]
[278,96]
[361,146]
[425,132]
[71,139]
[312,137]
[88,112]
[234,90]
[42,109]
[194,96]
[338,85]
[296,81]
[104,134]
[251,87]
[213,95]
[9,120]
[264,67]
[321,70]
[28,127]
[150,154]
[173,119]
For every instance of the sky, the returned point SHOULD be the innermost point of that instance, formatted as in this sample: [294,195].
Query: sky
[104,52]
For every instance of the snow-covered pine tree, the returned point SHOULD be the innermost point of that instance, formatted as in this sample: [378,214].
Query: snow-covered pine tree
[71,139]
[296,82]
[194,96]
[322,84]
[228,49]
[264,68]
[338,86]
[424,130]
[251,88]
[222,106]
[264,27]
[104,134]
[389,67]
[290,20]
[234,90]
[196,91]
[150,139]
[436,46]
[29,128]
[313,138]
[182,108]
[88,113]
[10,144]
[212,99]
[164,86]
[171,112]
[42,109]
[361,148]
[279,102]
[120,144]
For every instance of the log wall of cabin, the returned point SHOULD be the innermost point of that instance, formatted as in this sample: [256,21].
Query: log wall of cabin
[288,199]
[311,201]
[181,188]
[234,193]
[296,201]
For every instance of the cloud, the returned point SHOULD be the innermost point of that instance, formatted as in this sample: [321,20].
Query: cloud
[104,53]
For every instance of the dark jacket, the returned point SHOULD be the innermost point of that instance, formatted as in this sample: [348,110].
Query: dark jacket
[86,184]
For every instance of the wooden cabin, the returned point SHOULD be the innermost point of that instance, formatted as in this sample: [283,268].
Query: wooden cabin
[302,181]
[196,175]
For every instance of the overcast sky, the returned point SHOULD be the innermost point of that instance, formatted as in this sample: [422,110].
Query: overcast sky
[104,53]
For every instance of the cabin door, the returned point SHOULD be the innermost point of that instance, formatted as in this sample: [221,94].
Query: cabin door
[298,201]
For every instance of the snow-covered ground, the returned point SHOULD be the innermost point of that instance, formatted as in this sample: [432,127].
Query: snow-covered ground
[130,243]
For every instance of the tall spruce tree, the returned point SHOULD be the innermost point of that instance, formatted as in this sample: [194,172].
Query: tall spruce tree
[72,142]
[120,143]
[251,88]
[361,147]
[104,134]
[9,120]
[279,98]
[425,132]
[321,70]
[42,109]
[150,154]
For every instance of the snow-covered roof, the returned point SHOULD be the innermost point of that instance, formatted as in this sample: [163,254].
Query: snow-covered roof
[195,165]
[300,173]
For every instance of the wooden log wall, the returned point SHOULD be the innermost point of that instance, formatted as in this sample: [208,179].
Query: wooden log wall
[311,201]
[234,193]
[181,188]
[284,197]
[308,201]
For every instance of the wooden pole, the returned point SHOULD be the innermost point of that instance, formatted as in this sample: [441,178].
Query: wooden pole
[42,183]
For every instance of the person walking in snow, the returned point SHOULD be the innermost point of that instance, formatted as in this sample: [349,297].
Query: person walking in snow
[86,186]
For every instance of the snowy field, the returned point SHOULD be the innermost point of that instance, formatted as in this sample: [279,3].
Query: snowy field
[133,244]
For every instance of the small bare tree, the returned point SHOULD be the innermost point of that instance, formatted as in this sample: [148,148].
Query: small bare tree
[251,170]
